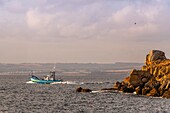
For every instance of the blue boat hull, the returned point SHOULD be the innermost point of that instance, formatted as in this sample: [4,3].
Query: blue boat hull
[37,80]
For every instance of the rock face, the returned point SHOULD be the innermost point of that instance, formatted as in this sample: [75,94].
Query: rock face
[155,55]
[152,80]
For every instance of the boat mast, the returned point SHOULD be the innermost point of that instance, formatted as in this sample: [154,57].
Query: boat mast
[52,73]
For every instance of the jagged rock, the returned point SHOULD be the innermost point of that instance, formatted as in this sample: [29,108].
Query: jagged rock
[168,85]
[144,80]
[144,68]
[135,80]
[127,80]
[138,90]
[152,80]
[166,94]
[155,55]
[139,77]
[117,85]
[145,90]
[153,92]
[126,88]
[163,85]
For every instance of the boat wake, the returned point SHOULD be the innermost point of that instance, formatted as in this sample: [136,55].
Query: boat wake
[105,91]
[30,82]
[70,82]
[65,82]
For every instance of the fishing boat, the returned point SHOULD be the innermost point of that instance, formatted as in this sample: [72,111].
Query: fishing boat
[46,80]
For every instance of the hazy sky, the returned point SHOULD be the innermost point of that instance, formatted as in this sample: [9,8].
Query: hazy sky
[88,31]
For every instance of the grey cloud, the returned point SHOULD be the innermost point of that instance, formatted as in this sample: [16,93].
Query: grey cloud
[103,28]
[83,18]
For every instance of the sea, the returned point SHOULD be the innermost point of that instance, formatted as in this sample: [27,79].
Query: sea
[19,95]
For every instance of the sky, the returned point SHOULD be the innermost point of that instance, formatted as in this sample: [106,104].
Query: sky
[82,31]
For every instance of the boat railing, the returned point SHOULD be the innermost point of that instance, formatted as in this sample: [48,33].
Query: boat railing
[35,77]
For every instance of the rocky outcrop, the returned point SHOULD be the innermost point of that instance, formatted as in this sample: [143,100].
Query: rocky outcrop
[155,55]
[152,80]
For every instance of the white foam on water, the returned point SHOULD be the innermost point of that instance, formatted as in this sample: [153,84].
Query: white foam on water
[74,82]
[105,91]
[101,91]
[65,82]
[98,91]
[81,82]
[134,93]
[70,82]
[92,82]
[30,82]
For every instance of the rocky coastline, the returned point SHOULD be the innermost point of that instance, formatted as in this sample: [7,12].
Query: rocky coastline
[153,79]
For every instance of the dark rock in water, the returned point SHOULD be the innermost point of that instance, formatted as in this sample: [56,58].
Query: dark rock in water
[86,90]
[80,89]
[117,85]
[128,89]
[108,89]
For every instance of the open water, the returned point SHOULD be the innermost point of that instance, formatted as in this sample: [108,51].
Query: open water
[17,96]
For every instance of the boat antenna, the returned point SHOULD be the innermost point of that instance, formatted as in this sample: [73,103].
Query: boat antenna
[52,73]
